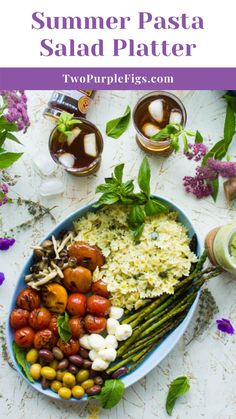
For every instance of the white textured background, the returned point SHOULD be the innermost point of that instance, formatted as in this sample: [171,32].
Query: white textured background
[210,360]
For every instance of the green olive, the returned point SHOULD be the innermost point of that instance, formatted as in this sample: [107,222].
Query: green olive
[60,375]
[35,371]
[55,386]
[64,392]
[87,384]
[48,373]
[32,356]
[69,379]
[77,392]
[82,375]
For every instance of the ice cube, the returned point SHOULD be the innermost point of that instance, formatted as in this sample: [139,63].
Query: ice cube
[74,134]
[90,146]
[67,160]
[44,163]
[150,129]
[156,110]
[51,186]
[175,117]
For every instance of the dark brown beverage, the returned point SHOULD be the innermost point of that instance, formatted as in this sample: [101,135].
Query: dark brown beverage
[79,153]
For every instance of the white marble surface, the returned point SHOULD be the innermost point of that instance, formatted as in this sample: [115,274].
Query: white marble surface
[209,361]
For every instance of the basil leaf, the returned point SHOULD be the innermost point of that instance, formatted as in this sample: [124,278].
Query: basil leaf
[229,126]
[136,215]
[128,187]
[19,355]
[144,176]
[231,100]
[107,199]
[137,232]
[112,392]
[7,158]
[185,141]
[64,329]
[215,188]
[118,172]
[198,138]
[116,127]
[177,387]
[154,206]
[12,138]
[3,136]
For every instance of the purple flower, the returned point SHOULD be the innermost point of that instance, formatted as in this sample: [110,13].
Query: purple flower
[196,151]
[2,278]
[225,326]
[4,188]
[16,103]
[5,243]
[223,168]
[197,186]
[3,194]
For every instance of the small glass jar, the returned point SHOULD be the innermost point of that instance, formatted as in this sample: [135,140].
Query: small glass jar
[80,156]
[142,119]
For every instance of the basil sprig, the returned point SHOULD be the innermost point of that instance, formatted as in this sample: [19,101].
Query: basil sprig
[116,127]
[177,387]
[175,132]
[112,392]
[141,204]
[66,123]
[64,329]
[19,354]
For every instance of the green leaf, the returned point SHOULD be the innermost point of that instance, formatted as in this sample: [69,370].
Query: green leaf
[231,100]
[64,329]
[19,355]
[137,232]
[107,199]
[128,187]
[8,126]
[3,136]
[185,141]
[66,123]
[215,188]
[112,392]
[177,387]
[198,138]
[154,206]
[229,126]
[136,215]
[116,127]
[13,138]
[144,176]
[7,158]
[118,172]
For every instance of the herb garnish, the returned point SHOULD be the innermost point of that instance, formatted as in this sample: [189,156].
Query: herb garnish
[141,204]
[66,123]
[19,354]
[116,127]
[112,392]
[177,387]
[176,132]
[64,329]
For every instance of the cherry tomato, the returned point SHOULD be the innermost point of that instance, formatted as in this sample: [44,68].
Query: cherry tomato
[100,288]
[39,318]
[69,348]
[98,305]
[24,337]
[94,324]
[44,339]
[88,256]
[53,325]
[28,299]
[77,279]
[76,304]
[76,326]
[19,318]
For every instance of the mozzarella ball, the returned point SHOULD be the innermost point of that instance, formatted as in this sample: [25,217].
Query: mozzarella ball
[123,332]
[96,342]
[108,354]
[112,325]
[111,342]
[116,312]
[84,342]
[93,354]
[99,365]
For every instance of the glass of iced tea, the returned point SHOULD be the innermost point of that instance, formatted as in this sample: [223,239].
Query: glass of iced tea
[151,114]
[80,152]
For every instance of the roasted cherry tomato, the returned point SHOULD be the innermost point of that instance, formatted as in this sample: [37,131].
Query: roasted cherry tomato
[19,318]
[44,339]
[55,297]
[39,318]
[69,348]
[28,299]
[76,304]
[53,325]
[76,326]
[94,324]
[24,337]
[98,305]
[100,288]
[88,256]
[77,279]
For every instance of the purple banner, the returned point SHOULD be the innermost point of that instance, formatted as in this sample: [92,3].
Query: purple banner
[118,78]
